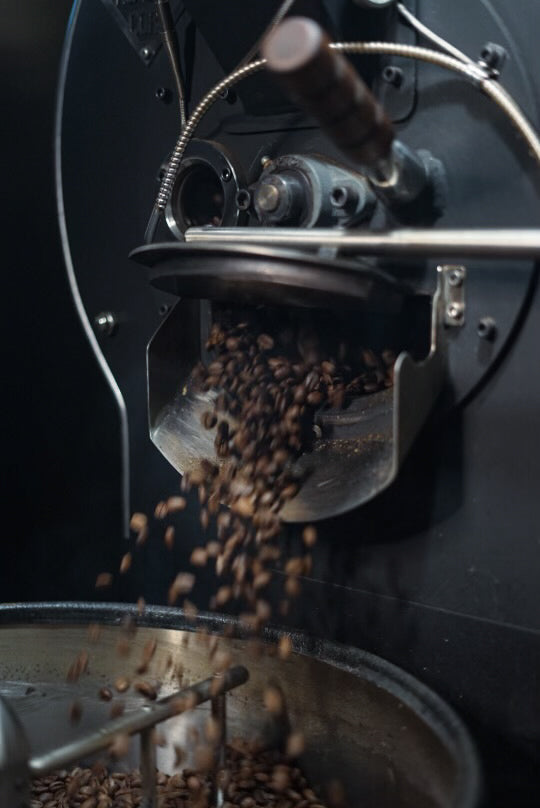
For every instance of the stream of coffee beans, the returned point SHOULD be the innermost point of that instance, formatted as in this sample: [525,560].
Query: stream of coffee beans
[264,388]
[264,391]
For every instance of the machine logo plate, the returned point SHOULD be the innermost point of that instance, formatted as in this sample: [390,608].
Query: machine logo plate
[139,21]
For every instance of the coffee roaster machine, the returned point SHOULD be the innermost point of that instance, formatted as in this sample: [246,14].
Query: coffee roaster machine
[377,161]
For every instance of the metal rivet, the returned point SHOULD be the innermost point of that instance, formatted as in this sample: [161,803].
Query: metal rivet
[162,94]
[226,174]
[106,323]
[146,52]
[393,75]
[243,199]
[487,328]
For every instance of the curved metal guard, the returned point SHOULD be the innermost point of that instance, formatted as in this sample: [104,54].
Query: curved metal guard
[361,448]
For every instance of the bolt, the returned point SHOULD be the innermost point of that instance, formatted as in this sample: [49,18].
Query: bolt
[487,329]
[393,75]
[339,196]
[146,53]
[106,323]
[162,94]
[266,161]
[454,311]
[268,197]
[226,174]
[228,95]
[243,199]
[455,277]
[493,57]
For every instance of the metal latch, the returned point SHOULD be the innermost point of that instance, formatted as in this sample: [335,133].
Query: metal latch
[453,291]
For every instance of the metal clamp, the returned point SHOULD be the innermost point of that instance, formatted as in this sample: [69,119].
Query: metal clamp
[453,292]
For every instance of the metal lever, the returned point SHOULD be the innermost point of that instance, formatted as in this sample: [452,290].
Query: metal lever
[326,85]
[16,766]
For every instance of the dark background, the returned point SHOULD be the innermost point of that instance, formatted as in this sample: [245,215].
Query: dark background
[60,464]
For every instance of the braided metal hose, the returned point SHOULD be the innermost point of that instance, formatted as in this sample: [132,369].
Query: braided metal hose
[473,72]
[198,113]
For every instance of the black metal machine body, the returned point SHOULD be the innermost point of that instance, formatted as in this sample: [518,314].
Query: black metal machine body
[437,573]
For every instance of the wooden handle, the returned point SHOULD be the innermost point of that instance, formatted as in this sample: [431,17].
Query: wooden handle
[325,84]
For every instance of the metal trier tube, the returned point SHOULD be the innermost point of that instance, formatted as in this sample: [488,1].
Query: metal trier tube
[219,714]
[148,769]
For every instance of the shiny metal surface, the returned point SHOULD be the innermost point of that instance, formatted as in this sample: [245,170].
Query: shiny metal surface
[391,741]
[138,721]
[404,243]
[360,450]
[14,751]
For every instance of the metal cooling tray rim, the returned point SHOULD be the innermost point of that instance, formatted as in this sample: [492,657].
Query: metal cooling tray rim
[442,718]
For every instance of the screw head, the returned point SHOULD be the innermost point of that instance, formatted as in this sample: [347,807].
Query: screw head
[455,278]
[243,199]
[339,196]
[454,311]
[163,94]
[487,329]
[393,75]
[106,323]
[146,52]
[226,174]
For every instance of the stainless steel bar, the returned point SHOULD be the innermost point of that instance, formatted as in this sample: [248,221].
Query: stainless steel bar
[514,243]
[219,714]
[137,721]
[148,769]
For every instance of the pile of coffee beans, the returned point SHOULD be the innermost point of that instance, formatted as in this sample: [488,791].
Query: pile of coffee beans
[252,778]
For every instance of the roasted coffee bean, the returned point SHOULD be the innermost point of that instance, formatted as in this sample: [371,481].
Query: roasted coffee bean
[208,420]
[176,504]
[138,522]
[232,343]
[285,647]
[145,689]
[169,537]
[265,342]
[199,556]
[314,398]
[103,580]
[125,563]
[309,535]
[122,684]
